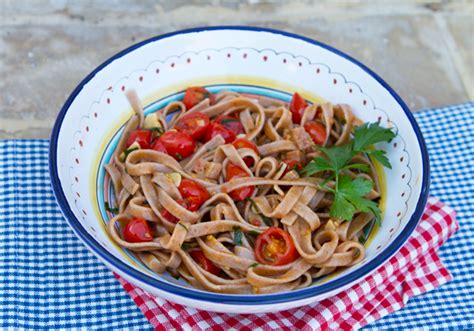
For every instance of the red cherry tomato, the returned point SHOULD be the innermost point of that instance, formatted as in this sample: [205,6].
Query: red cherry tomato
[217,129]
[195,95]
[195,124]
[137,231]
[170,217]
[275,247]
[204,262]
[244,143]
[158,146]
[317,131]
[291,165]
[231,123]
[297,107]
[142,137]
[194,192]
[240,194]
[178,144]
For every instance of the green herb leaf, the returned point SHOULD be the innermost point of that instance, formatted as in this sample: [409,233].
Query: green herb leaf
[157,129]
[237,236]
[318,164]
[110,209]
[128,151]
[379,155]
[341,208]
[187,246]
[175,276]
[370,133]
[253,233]
[358,166]
[254,265]
[267,220]
[179,157]
[228,121]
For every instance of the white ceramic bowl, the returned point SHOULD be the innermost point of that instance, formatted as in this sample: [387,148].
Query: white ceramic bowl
[247,59]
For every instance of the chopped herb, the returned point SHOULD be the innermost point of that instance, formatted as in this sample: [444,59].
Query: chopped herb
[110,209]
[362,239]
[237,236]
[253,233]
[253,205]
[228,120]
[184,226]
[178,156]
[128,151]
[349,194]
[187,246]
[157,129]
[175,276]
[253,265]
[267,220]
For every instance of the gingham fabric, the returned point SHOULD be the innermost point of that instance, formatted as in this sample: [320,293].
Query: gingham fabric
[48,279]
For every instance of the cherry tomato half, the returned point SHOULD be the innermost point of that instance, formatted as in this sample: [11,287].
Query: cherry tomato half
[244,143]
[195,193]
[158,146]
[231,123]
[317,131]
[142,137]
[275,247]
[240,194]
[217,129]
[137,230]
[195,124]
[178,144]
[204,262]
[291,165]
[170,217]
[297,107]
[195,95]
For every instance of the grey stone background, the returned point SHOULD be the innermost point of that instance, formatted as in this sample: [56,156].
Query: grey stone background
[424,49]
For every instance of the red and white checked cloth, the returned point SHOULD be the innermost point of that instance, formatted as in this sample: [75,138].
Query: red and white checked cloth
[414,270]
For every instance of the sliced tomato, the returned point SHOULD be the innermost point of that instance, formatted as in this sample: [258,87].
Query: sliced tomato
[240,194]
[137,230]
[158,146]
[292,165]
[204,262]
[195,95]
[179,145]
[170,217]
[231,123]
[217,129]
[142,137]
[297,107]
[194,192]
[244,143]
[317,131]
[275,247]
[195,124]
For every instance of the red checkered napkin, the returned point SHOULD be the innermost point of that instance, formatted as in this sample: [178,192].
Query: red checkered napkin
[414,270]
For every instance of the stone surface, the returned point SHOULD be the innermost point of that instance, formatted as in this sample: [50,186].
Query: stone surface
[424,49]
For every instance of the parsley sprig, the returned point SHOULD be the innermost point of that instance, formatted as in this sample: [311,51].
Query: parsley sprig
[349,194]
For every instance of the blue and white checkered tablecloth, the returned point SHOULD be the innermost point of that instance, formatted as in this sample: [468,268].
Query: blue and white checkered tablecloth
[49,280]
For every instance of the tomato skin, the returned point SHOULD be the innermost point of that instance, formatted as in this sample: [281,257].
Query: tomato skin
[244,143]
[290,165]
[179,145]
[217,129]
[230,123]
[195,124]
[317,131]
[195,193]
[297,107]
[195,95]
[240,194]
[278,239]
[170,217]
[204,262]
[158,146]
[142,137]
[137,230]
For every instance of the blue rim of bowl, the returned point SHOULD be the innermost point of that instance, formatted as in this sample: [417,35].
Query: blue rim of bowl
[227,298]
